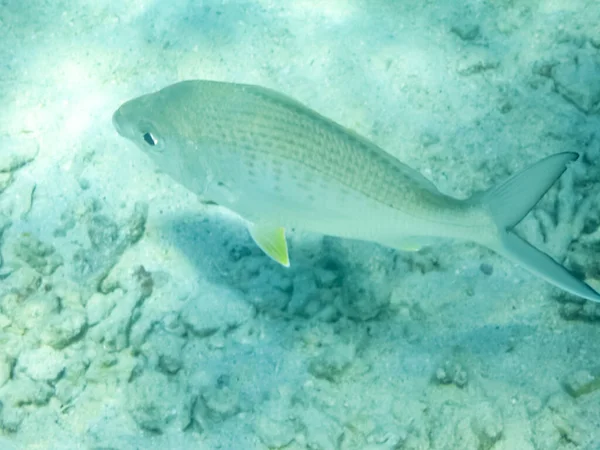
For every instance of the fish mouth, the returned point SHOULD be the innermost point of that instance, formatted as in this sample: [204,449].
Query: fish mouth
[116,120]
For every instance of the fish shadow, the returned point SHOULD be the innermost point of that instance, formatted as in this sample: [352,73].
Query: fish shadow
[325,277]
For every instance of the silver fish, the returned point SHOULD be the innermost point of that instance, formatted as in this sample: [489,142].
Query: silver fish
[278,164]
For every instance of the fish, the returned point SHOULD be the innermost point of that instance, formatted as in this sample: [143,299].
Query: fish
[280,165]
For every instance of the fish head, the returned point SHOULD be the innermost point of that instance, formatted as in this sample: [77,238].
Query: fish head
[142,122]
[159,124]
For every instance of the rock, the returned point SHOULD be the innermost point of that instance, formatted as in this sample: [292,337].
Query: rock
[21,283]
[103,232]
[582,382]
[72,383]
[452,373]
[99,306]
[364,295]
[217,308]
[429,138]
[163,349]
[41,364]
[221,402]
[111,368]
[156,402]
[6,179]
[466,31]
[488,426]
[275,434]
[578,80]
[64,328]
[114,331]
[33,313]
[305,295]
[333,362]
[39,256]
[11,419]
[24,391]
[475,63]
[16,152]
[136,224]
[450,428]
[265,286]
[108,242]
[5,222]
[587,311]
[6,365]
[5,322]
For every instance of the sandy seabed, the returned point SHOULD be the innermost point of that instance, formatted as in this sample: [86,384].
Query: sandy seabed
[133,316]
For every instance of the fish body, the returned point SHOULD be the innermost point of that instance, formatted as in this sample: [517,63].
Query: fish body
[278,164]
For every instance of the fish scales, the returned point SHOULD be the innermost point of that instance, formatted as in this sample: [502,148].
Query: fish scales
[278,164]
[277,130]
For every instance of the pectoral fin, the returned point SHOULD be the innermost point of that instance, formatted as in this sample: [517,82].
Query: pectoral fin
[271,240]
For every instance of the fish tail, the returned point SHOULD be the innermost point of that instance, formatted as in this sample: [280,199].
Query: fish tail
[510,201]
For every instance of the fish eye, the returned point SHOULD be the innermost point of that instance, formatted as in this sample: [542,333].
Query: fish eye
[150,139]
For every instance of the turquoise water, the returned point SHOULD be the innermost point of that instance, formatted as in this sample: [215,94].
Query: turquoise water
[134,316]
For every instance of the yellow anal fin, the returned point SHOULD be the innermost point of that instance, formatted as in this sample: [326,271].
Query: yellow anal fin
[271,240]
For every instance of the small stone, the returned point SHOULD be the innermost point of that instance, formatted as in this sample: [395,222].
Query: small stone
[582,382]
[24,391]
[570,311]
[5,369]
[164,349]
[474,64]
[275,434]
[333,363]
[452,373]
[486,268]
[155,402]
[305,291]
[5,322]
[41,364]
[84,184]
[99,306]
[114,331]
[11,419]
[66,390]
[325,277]
[488,426]
[429,138]
[578,80]
[466,31]
[103,232]
[217,308]
[6,179]
[39,256]
[362,299]
[16,152]
[64,328]
[136,225]
[33,312]
[108,366]
[221,402]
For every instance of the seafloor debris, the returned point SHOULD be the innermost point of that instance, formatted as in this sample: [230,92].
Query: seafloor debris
[38,255]
[157,402]
[216,308]
[578,79]
[16,153]
[582,382]
[452,373]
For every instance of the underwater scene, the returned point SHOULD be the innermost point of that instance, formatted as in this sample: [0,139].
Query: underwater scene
[300,224]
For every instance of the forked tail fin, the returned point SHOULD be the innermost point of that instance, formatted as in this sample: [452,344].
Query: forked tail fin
[510,201]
